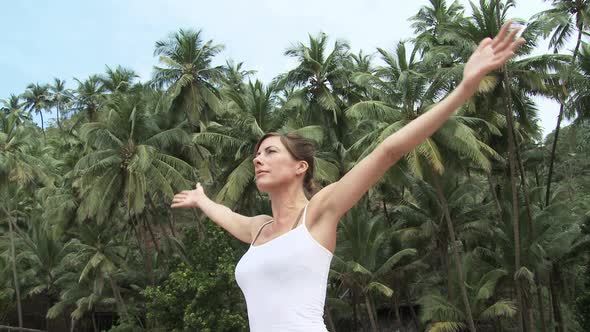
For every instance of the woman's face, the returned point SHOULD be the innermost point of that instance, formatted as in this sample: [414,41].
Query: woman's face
[275,167]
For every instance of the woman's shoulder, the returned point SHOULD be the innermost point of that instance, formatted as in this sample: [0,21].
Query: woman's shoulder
[257,221]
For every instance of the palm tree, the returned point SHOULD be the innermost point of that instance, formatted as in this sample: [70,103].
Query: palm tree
[6,288]
[403,92]
[234,76]
[486,306]
[251,114]
[565,18]
[118,80]
[580,97]
[364,258]
[89,96]
[322,78]
[13,107]
[434,25]
[42,251]
[19,169]
[60,97]
[129,164]
[95,260]
[37,98]
[188,75]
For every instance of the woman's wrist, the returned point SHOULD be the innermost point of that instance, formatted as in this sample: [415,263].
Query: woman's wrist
[466,89]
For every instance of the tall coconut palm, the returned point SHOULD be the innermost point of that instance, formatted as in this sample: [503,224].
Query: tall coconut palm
[487,307]
[434,24]
[18,169]
[89,96]
[60,97]
[364,258]
[188,75]
[13,107]
[94,263]
[118,80]
[42,252]
[563,20]
[404,91]
[234,76]
[37,99]
[580,98]
[321,77]
[128,164]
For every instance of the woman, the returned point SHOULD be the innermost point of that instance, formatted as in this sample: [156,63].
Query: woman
[283,275]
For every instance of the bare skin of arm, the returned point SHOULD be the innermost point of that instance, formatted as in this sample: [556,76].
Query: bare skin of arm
[236,224]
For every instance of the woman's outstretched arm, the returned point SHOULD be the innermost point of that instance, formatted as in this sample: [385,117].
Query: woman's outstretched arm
[236,224]
[336,199]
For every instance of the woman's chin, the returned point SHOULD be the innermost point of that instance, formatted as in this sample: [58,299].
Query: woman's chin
[266,187]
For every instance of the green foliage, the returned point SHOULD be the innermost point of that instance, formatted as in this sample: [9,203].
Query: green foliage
[202,296]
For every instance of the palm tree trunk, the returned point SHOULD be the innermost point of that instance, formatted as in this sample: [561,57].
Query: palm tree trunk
[495,197]
[19,309]
[371,313]
[512,164]
[528,303]
[551,306]
[554,283]
[525,194]
[57,108]
[541,307]
[329,318]
[140,245]
[151,231]
[385,212]
[118,297]
[398,319]
[446,266]
[558,125]
[93,318]
[43,126]
[171,222]
[456,254]
[66,321]
[413,312]
[552,156]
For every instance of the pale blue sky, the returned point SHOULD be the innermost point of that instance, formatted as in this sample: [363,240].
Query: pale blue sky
[45,39]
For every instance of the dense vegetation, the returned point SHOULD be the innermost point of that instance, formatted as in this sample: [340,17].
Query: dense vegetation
[484,226]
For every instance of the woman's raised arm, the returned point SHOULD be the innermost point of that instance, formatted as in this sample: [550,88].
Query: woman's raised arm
[336,199]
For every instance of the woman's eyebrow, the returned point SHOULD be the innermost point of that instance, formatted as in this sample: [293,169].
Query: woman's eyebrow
[266,149]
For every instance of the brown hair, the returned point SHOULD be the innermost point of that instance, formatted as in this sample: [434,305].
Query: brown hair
[301,149]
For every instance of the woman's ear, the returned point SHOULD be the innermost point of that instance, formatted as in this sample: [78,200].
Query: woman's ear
[302,167]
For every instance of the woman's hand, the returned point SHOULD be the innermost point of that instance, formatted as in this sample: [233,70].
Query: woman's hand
[491,54]
[188,198]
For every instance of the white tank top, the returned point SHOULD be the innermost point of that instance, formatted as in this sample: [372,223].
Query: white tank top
[284,282]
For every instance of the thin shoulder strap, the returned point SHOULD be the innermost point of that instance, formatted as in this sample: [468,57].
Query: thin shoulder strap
[260,230]
[302,213]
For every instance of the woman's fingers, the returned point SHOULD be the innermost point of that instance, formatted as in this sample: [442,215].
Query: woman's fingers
[507,41]
[502,34]
[502,57]
[510,50]
[484,43]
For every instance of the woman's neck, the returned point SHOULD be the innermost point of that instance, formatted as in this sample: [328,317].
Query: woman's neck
[287,204]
